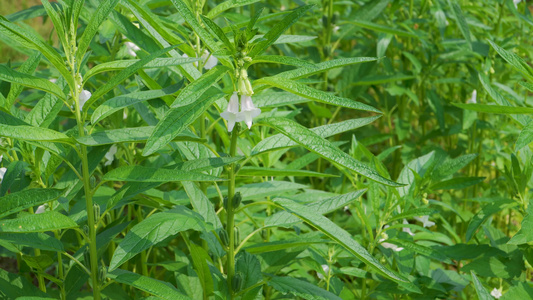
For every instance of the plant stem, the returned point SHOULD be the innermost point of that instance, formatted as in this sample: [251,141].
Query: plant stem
[230,223]
[93,254]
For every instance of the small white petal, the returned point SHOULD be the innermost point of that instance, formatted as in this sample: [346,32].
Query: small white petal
[52,80]
[248,111]
[407,229]
[2,173]
[41,209]
[425,221]
[110,155]
[84,96]
[131,48]
[496,293]
[474,98]
[232,111]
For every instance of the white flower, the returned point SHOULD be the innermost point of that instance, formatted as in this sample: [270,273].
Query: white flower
[210,60]
[248,111]
[53,80]
[516,3]
[474,98]
[425,221]
[496,293]
[336,28]
[232,112]
[407,229]
[110,155]
[390,246]
[2,173]
[84,96]
[41,209]
[326,270]
[131,48]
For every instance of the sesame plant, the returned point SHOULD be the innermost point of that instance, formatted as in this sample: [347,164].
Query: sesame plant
[245,149]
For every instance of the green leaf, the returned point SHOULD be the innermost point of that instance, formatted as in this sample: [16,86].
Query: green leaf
[30,40]
[324,66]
[525,234]
[424,211]
[37,240]
[198,88]
[337,234]
[190,18]
[482,293]
[495,109]
[117,103]
[302,240]
[123,64]
[153,230]
[16,129]
[122,135]
[457,183]
[25,199]
[175,121]
[200,259]
[278,29]
[249,268]
[99,16]
[284,60]
[123,75]
[28,67]
[46,221]
[23,79]
[420,249]
[525,137]
[382,28]
[161,289]
[280,141]
[515,61]
[259,171]
[316,144]
[217,31]
[461,21]
[322,207]
[450,166]
[303,90]
[300,288]
[201,204]
[146,174]
[13,286]
[228,5]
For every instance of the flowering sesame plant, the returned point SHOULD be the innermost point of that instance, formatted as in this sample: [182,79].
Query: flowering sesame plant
[198,149]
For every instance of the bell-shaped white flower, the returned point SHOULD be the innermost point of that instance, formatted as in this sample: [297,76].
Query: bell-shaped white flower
[425,221]
[496,293]
[2,170]
[210,60]
[131,48]
[231,114]
[248,111]
[407,229]
[516,2]
[325,268]
[84,96]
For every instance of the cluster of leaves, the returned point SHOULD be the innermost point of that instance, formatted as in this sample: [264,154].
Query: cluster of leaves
[368,174]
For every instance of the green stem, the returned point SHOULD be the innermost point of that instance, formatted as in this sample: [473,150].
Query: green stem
[93,254]
[230,223]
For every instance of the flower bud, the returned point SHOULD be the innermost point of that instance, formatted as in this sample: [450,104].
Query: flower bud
[225,203]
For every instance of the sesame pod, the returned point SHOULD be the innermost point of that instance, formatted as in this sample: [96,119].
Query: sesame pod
[224,237]
[335,17]
[237,198]
[92,181]
[225,203]
[237,237]
[236,283]
[97,212]
[102,273]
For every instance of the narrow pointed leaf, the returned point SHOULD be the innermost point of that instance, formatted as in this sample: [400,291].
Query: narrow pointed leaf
[146,174]
[303,90]
[314,143]
[25,199]
[153,230]
[197,88]
[339,235]
[123,135]
[160,289]
[13,76]
[46,221]
[175,121]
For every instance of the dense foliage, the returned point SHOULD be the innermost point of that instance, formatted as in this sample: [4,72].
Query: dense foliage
[245,149]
